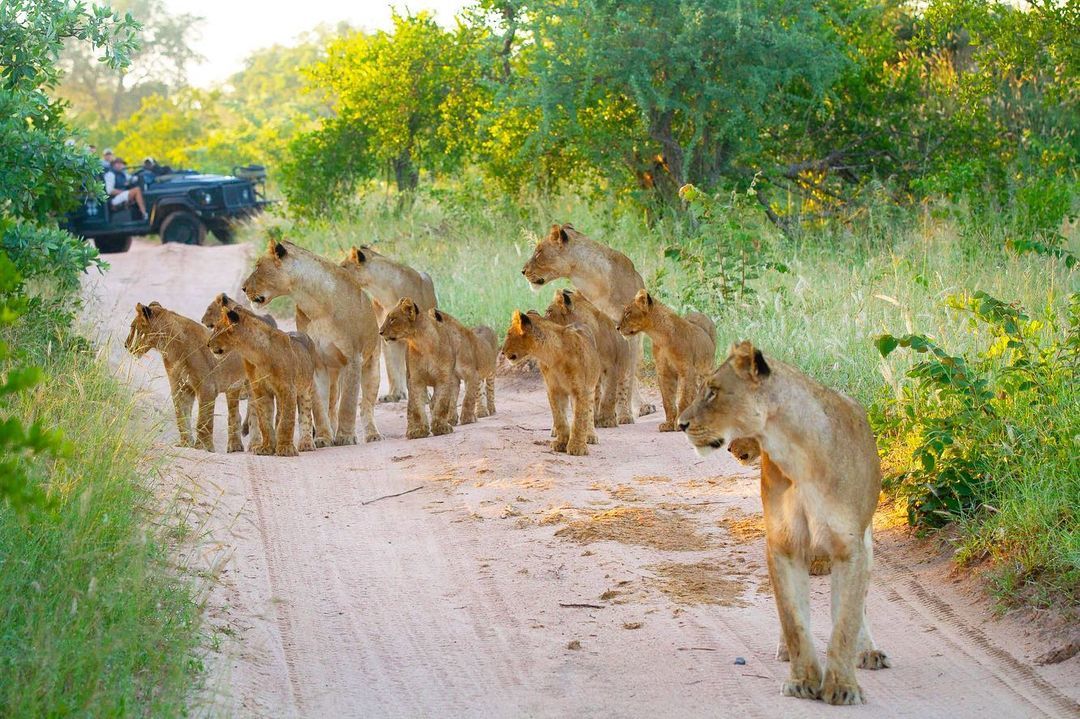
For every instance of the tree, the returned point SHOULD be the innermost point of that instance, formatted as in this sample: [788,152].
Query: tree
[411,93]
[102,95]
[659,94]
[41,173]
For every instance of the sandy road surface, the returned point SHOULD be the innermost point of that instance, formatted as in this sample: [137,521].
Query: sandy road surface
[452,600]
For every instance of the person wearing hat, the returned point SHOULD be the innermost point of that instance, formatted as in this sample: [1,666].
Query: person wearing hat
[106,159]
[116,188]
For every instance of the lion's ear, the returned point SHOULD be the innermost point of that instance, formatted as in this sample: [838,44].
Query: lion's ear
[279,250]
[410,308]
[642,297]
[648,299]
[233,316]
[357,255]
[146,311]
[563,237]
[438,315]
[566,298]
[749,362]
[222,299]
[521,321]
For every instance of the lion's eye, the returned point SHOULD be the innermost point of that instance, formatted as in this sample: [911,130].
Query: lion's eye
[710,395]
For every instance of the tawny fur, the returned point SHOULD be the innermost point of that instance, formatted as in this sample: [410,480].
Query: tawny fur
[569,307]
[432,350]
[279,366]
[336,311]
[486,350]
[684,349]
[387,282]
[820,480]
[195,374]
[570,366]
[605,277]
[209,319]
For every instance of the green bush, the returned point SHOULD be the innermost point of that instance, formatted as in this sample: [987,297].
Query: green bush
[993,435]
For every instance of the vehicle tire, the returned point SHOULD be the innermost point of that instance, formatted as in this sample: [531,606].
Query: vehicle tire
[225,234]
[183,227]
[113,243]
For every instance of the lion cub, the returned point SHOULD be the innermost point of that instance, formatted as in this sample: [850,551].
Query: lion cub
[279,366]
[820,480]
[684,350]
[570,365]
[195,374]
[440,352]
[570,307]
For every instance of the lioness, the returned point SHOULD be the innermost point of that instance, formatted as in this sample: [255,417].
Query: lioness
[571,369]
[338,312]
[613,397]
[605,277]
[277,364]
[194,372]
[387,282]
[684,350]
[820,479]
[433,358]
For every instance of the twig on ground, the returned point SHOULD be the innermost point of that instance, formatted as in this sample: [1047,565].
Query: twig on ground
[388,496]
[574,605]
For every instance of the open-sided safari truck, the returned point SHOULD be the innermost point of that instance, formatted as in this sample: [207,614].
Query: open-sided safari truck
[180,207]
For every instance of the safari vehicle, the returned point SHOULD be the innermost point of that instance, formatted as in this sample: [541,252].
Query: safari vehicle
[181,207]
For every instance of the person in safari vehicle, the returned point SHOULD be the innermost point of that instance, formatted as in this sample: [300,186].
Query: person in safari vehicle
[116,187]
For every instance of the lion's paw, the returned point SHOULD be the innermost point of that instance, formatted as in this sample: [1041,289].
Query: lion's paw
[874,659]
[324,441]
[801,688]
[559,445]
[286,450]
[306,445]
[834,691]
[417,432]
[263,448]
[440,428]
[626,419]
[606,421]
[391,397]
[577,449]
[646,409]
[667,426]
[343,440]
[235,445]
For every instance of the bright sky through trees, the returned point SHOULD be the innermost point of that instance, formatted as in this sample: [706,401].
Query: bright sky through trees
[233,28]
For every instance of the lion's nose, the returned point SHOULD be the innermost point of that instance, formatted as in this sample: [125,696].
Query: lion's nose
[541,281]
[244,289]
[683,426]
[523,272]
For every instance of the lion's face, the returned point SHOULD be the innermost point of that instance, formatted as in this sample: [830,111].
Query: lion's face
[637,317]
[746,450]
[213,311]
[731,404]
[269,279]
[146,332]
[520,338]
[400,322]
[357,261]
[549,259]
[225,333]
[561,308]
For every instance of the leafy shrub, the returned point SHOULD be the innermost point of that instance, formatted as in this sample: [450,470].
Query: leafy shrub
[726,251]
[969,419]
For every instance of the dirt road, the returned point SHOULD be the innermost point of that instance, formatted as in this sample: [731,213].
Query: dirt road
[507,580]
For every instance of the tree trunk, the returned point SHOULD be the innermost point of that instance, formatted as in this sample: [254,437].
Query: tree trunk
[406,174]
[668,183]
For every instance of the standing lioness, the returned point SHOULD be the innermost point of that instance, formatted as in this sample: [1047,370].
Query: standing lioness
[605,277]
[820,479]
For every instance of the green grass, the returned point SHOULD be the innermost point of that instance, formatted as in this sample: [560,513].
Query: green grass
[844,288]
[93,619]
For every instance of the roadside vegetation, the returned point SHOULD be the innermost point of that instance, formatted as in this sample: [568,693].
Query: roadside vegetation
[94,618]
